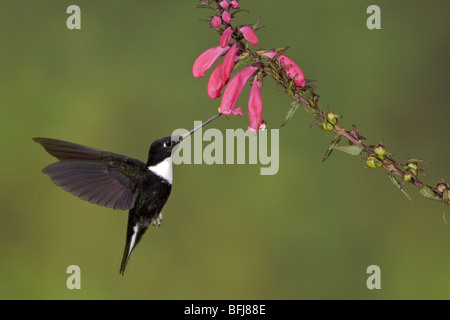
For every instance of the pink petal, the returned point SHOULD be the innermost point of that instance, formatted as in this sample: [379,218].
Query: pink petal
[237,112]
[291,71]
[216,22]
[234,4]
[216,82]
[206,60]
[249,35]
[226,37]
[255,105]
[224,4]
[226,16]
[229,61]
[220,76]
[234,89]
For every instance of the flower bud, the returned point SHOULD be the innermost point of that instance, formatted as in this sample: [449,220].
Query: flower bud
[327,126]
[332,118]
[234,4]
[407,176]
[226,37]
[373,162]
[441,187]
[216,22]
[292,70]
[379,149]
[413,167]
[224,4]
[226,16]
[249,35]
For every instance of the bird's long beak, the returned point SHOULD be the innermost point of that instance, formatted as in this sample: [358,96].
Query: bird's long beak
[184,136]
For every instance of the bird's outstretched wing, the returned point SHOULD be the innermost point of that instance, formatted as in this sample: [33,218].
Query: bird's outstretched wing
[97,176]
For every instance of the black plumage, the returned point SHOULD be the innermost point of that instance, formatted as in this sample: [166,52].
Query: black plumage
[114,181]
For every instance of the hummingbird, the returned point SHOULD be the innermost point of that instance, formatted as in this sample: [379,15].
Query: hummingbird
[117,181]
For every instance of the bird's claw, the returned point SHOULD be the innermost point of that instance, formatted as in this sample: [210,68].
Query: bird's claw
[157,221]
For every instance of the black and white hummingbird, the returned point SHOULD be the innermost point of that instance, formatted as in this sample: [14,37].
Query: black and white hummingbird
[116,181]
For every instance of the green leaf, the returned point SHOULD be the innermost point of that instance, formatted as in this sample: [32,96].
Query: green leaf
[351,150]
[290,113]
[202,6]
[398,186]
[427,193]
[330,150]
[310,109]
[256,24]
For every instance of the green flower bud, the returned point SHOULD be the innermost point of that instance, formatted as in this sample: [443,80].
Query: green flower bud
[373,162]
[332,118]
[327,126]
[407,176]
[441,187]
[379,149]
[413,165]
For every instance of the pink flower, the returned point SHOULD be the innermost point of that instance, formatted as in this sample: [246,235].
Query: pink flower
[249,35]
[206,60]
[226,37]
[216,22]
[216,82]
[226,16]
[234,90]
[229,61]
[291,71]
[224,4]
[234,4]
[255,105]
[220,76]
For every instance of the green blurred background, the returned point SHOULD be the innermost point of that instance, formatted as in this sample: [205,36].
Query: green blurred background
[308,232]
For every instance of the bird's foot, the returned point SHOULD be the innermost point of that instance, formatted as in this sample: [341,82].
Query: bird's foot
[157,221]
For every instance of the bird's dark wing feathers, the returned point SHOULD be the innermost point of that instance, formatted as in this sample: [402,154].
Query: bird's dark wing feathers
[63,150]
[97,176]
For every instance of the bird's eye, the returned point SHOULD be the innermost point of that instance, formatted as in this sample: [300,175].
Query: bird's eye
[167,144]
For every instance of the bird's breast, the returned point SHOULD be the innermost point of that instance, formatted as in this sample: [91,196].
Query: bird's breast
[163,170]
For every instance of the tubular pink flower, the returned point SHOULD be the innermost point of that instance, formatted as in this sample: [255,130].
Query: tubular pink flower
[255,105]
[216,22]
[291,71]
[224,4]
[249,35]
[206,60]
[234,4]
[220,76]
[226,37]
[216,82]
[226,16]
[229,61]
[233,91]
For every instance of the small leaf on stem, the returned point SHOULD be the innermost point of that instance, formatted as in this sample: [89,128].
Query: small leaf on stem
[398,186]
[330,150]
[428,193]
[290,113]
[353,150]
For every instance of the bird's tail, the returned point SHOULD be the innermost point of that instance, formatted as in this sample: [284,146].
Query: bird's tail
[135,229]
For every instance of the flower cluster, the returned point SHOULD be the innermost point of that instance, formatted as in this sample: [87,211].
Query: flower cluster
[234,52]
[236,44]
